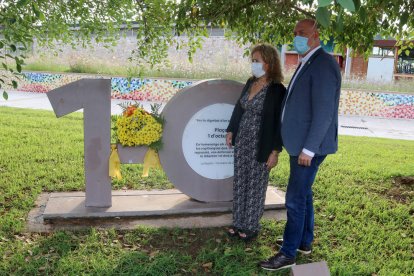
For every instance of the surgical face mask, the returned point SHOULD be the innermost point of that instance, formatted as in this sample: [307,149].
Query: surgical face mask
[301,44]
[257,69]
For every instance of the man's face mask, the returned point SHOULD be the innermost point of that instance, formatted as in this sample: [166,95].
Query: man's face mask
[300,43]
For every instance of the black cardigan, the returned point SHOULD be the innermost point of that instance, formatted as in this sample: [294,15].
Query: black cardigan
[269,133]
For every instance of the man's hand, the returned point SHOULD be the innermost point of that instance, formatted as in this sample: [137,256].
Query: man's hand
[304,160]
[272,160]
[229,137]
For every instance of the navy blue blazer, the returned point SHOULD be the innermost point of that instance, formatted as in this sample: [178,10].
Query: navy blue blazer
[310,119]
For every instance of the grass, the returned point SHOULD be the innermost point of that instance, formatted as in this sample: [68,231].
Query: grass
[41,65]
[398,86]
[182,69]
[363,204]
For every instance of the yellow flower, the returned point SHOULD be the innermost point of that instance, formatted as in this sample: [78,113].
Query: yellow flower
[139,128]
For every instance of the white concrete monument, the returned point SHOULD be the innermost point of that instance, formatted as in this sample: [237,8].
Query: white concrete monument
[194,157]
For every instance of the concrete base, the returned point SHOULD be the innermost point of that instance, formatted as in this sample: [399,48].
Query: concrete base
[167,208]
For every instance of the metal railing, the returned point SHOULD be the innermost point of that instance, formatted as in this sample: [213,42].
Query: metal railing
[405,66]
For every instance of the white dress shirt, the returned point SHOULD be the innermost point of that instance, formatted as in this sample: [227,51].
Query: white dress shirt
[302,64]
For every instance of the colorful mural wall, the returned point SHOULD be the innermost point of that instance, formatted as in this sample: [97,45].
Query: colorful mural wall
[152,90]
[384,105]
[360,103]
[44,82]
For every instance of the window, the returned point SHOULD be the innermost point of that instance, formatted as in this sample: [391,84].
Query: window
[383,52]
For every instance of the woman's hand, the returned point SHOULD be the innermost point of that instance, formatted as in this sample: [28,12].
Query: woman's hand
[272,160]
[229,137]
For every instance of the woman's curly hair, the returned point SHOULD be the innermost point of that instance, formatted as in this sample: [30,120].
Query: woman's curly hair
[271,57]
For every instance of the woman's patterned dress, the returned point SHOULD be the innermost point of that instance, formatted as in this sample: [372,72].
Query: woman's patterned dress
[250,176]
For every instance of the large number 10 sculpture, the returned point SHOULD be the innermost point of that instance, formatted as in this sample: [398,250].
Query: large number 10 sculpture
[212,98]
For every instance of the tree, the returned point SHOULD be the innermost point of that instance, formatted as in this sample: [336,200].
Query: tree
[80,22]
[352,23]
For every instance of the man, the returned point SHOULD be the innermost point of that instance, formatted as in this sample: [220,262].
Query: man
[309,133]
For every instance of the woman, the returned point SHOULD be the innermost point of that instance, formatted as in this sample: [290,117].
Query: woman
[254,130]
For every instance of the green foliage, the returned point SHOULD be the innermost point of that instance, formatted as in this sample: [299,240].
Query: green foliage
[81,22]
[347,4]
[114,129]
[157,23]
[352,23]
[155,112]
[323,16]
[324,3]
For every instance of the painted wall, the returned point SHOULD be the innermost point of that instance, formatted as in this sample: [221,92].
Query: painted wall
[385,105]
[360,103]
[153,90]
[380,69]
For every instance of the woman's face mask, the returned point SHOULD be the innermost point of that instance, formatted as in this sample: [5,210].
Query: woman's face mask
[257,69]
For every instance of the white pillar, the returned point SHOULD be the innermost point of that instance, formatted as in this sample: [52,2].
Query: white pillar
[348,63]
[283,55]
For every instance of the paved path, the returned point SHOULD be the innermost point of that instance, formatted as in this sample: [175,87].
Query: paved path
[40,101]
[349,125]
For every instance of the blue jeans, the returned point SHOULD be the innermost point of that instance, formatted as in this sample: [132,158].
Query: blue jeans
[299,206]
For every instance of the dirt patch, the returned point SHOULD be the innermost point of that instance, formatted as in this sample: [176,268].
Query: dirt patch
[188,241]
[402,189]
[406,181]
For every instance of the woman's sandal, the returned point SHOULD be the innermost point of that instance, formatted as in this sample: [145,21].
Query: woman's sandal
[233,232]
[247,235]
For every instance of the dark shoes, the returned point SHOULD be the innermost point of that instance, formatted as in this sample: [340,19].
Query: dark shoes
[247,236]
[306,250]
[279,261]
[244,235]
[232,232]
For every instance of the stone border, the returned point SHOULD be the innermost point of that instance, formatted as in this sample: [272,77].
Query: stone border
[36,222]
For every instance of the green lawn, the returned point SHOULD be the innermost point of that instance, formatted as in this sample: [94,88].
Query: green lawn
[363,201]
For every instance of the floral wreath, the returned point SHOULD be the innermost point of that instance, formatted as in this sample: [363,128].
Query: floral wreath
[137,127]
